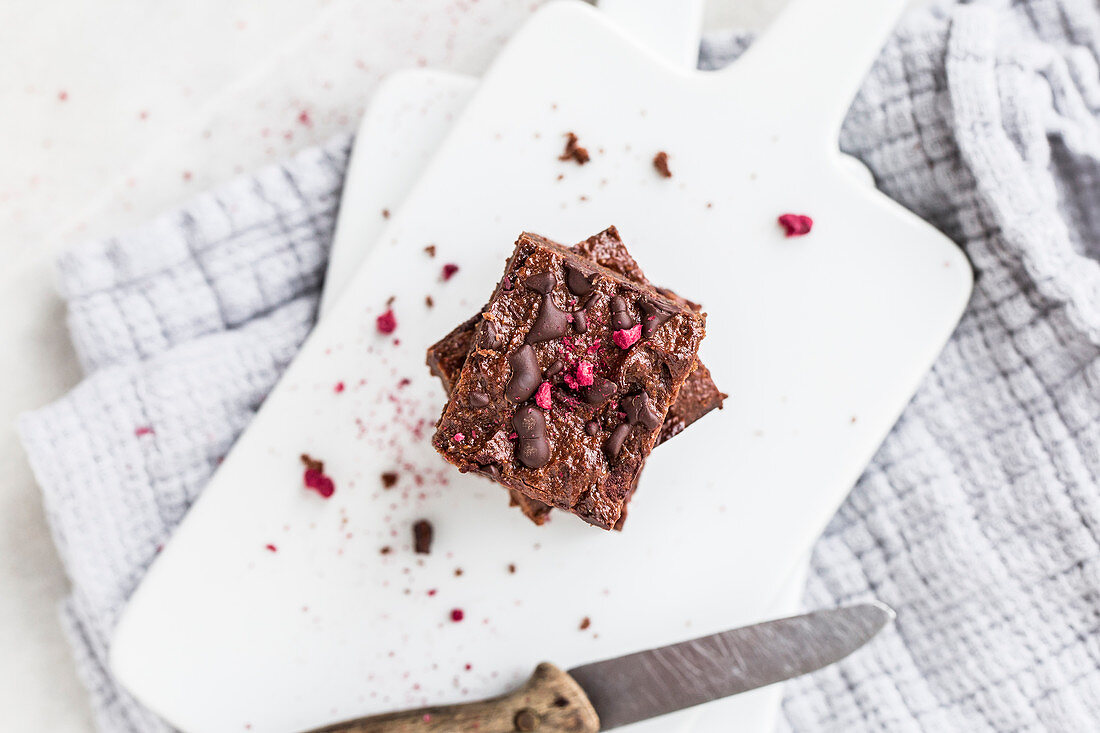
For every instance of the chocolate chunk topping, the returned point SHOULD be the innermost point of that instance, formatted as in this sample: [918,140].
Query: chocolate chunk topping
[492,341]
[491,470]
[543,282]
[600,392]
[580,321]
[591,427]
[479,399]
[556,366]
[654,316]
[578,283]
[639,410]
[422,537]
[551,323]
[614,443]
[532,448]
[526,375]
[620,316]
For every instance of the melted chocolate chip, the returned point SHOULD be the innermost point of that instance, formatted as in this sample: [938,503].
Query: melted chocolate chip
[639,411]
[620,316]
[556,366]
[552,322]
[492,340]
[578,283]
[654,317]
[478,399]
[532,447]
[591,427]
[614,443]
[543,282]
[600,391]
[580,321]
[526,375]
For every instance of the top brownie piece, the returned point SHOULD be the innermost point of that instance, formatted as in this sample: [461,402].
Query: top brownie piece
[571,375]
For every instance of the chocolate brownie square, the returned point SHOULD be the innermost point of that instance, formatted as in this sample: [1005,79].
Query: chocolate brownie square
[570,378]
[698,396]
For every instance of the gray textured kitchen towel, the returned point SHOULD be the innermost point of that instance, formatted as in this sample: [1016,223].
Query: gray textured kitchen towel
[978,520]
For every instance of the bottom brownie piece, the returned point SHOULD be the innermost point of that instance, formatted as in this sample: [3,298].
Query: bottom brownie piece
[698,395]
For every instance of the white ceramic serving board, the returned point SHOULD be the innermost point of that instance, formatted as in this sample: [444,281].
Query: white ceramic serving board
[409,117]
[805,335]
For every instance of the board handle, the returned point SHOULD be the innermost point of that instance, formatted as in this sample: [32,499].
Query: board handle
[670,28]
[813,57]
[549,702]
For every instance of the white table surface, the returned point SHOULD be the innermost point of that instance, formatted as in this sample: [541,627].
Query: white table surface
[112,112]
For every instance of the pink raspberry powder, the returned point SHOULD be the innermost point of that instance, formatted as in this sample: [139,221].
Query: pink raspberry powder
[627,337]
[796,225]
[542,397]
[387,322]
[594,347]
[585,373]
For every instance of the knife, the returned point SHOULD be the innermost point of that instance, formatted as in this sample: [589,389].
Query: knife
[615,692]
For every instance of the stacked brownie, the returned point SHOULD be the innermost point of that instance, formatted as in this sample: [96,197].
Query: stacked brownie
[571,374]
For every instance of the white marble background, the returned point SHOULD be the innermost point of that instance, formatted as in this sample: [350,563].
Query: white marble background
[114,110]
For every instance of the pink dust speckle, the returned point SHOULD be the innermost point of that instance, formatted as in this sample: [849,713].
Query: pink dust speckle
[542,397]
[627,337]
[62,95]
[796,225]
[338,388]
[594,347]
[143,430]
[427,717]
[459,437]
[187,175]
[449,270]
[387,322]
[271,548]
[432,592]
[457,615]
[303,118]
[585,373]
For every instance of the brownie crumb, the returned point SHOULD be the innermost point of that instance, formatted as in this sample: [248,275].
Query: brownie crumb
[389,479]
[385,213]
[430,249]
[428,301]
[573,151]
[422,537]
[458,572]
[386,550]
[512,568]
[314,477]
[585,623]
[660,162]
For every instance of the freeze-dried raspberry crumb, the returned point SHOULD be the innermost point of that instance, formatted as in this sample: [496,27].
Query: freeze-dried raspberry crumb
[449,270]
[143,430]
[795,225]
[585,623]
[627,337]
[271,548]
[387,322]
[338,388]
[542,397]
[314,477]
[457,614]
[389,479]
[660,162]
[459,437]
[422,537]
[432,592]
[586,373]
[594,347]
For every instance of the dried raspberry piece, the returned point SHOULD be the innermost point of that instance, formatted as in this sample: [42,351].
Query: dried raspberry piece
[796,225]
[627,337]
[586,373]
[457,615]
[449,270]
[459,437]
[314,477]
[542,397]
[387,322]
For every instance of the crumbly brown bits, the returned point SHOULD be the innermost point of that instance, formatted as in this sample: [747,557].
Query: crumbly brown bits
[660,162]
[422,537]
[573,151]
[389,479]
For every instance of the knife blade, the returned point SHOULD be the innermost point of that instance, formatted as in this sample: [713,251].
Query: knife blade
[646,684]
[635,687]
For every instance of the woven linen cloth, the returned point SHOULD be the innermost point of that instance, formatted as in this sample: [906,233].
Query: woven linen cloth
[978,520]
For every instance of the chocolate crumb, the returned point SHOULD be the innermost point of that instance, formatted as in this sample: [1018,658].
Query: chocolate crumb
[585,623]
[385,213]
[386,550]
[660,162]
[389,479]
[573,151]
[422,537]
[430,249]
[428,301]
[512,568]
[458,572]
[389,300]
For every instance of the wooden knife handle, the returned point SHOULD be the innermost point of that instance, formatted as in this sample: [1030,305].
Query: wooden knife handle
[549,702]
